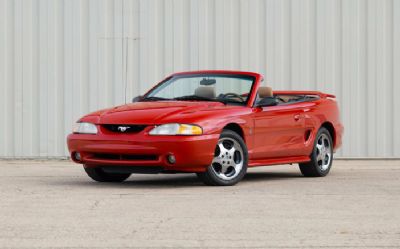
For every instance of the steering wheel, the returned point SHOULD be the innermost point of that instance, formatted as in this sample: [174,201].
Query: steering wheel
[235,95]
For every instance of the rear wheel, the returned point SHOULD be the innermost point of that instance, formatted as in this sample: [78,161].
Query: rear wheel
[99,175]
[229,164]
[321,156]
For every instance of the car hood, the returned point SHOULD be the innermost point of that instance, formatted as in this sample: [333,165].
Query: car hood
[153,112]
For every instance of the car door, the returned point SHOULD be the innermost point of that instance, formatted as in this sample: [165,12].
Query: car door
[279,131]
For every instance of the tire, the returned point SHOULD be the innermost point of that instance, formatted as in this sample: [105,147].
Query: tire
[321,156]
[228,166]
[99,175]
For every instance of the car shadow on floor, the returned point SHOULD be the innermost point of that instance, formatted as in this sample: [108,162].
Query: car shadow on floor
[186,180]
[178,180]
[268,176]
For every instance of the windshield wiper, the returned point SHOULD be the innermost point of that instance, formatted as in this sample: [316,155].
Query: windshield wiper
[199,98]
[153,98]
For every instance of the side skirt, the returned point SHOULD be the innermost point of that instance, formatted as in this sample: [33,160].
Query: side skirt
[280,160]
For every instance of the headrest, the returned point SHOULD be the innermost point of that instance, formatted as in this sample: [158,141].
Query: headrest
[265,91]
[205,91]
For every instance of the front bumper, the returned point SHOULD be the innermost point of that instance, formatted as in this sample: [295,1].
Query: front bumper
[192,153]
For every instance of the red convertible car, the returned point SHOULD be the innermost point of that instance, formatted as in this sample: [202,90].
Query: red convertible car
[213,123]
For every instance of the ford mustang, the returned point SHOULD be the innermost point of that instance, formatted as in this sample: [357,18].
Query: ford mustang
[216,124]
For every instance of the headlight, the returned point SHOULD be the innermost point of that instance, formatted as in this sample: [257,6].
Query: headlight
[176,129]
[85,128]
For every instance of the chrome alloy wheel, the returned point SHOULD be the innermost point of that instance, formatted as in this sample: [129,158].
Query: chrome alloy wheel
[228,159]
[324,152]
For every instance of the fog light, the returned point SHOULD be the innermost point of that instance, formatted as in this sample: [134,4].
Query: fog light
[77,156]
[171,159]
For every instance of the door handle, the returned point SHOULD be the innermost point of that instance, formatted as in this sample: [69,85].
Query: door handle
[297,117]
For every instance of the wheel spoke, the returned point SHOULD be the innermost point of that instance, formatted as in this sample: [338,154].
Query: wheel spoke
[217,160]
[231,151]
[319,147]
[320,157]
[222,149]
[224,168]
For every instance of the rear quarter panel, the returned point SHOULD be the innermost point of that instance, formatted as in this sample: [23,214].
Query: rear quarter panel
[325,112]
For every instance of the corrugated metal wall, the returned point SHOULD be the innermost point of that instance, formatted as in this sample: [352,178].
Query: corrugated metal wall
[61,59]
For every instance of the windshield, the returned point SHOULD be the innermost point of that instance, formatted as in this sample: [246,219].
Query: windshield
[223,88]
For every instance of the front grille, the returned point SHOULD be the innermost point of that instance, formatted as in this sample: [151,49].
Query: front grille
[123,157]
[124,128]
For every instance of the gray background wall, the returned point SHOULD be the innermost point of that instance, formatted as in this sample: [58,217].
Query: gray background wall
[61,59]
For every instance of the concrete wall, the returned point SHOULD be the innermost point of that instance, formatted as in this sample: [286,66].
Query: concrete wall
[61,59]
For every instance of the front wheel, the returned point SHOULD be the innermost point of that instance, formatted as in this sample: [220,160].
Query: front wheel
[229,164]
[321,156]
[99,175]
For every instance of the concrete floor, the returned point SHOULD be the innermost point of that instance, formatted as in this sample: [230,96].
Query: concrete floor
[48,204]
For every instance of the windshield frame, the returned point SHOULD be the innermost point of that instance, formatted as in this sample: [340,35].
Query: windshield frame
[162,85]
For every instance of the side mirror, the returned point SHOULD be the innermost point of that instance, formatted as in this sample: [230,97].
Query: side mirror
[268,101]
[137,98]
